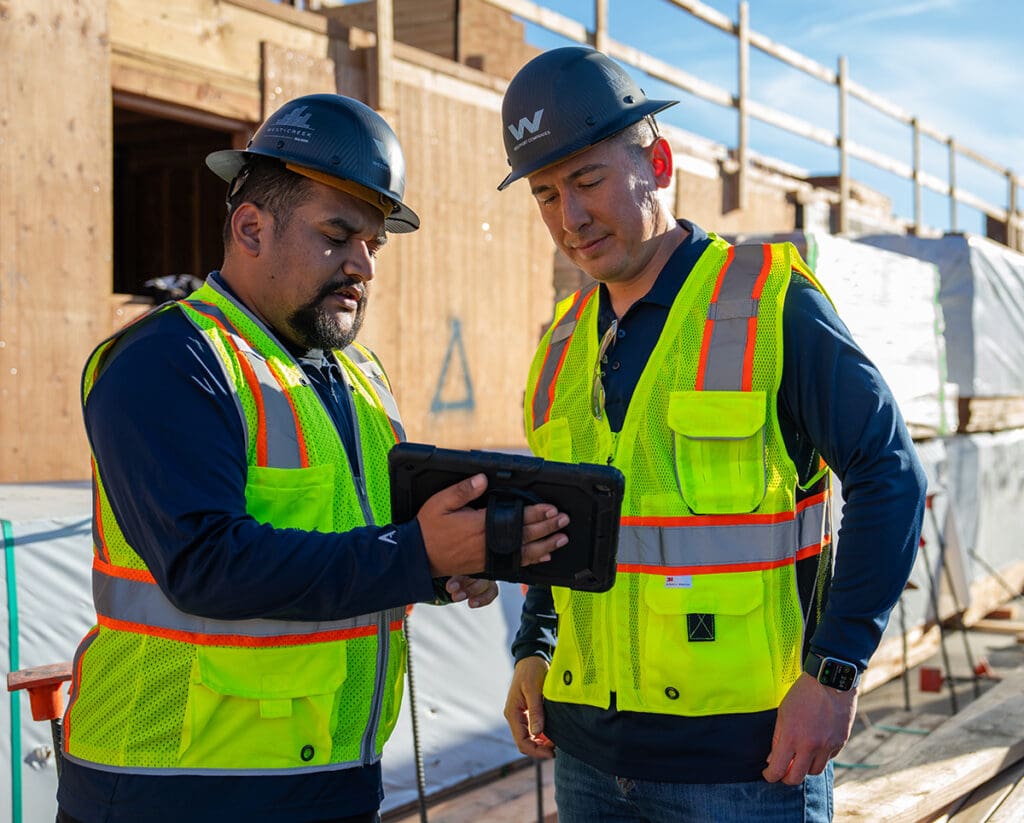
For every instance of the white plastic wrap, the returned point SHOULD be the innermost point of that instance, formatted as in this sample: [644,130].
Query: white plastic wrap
[982,296]
[52,563]
[890,304]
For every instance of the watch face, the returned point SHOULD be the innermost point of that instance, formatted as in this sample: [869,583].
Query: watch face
[837,674]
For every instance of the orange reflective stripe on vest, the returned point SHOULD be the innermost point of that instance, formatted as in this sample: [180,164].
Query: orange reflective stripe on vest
[279,440]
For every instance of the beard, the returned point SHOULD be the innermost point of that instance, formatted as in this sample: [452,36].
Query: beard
[317,328]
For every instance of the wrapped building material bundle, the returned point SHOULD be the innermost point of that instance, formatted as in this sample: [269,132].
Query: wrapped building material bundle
[982,297]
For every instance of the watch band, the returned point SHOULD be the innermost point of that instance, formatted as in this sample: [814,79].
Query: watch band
[838,674]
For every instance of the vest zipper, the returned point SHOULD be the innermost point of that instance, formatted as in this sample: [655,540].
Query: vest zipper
[610,460]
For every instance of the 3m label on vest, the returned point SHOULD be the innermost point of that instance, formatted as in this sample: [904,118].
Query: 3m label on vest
[680,581]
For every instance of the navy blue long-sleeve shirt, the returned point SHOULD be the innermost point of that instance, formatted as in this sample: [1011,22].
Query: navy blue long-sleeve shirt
[165,430]
[831,396]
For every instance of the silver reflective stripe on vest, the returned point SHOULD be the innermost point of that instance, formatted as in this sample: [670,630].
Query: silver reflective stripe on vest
[162,772]
[729,316]
[144,604]
[763,544]
[282,427]
[561,334]
[371,368]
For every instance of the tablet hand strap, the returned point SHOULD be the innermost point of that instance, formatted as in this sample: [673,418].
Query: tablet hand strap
[504,532]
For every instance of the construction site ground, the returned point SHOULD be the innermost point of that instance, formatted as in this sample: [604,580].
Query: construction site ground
[893,721]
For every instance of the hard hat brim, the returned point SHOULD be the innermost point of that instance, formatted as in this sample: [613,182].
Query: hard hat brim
[227,163]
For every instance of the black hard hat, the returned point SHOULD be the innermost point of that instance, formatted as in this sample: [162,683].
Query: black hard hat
[335,136]
[565,100]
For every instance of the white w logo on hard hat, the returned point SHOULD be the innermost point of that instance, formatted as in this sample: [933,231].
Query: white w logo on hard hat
[525,125]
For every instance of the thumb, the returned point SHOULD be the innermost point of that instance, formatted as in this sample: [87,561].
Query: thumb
[535,714]
[455,497]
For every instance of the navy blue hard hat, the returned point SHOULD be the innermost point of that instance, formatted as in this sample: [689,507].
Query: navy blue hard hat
[335,136]
[563,101]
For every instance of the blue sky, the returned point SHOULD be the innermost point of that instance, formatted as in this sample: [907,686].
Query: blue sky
[958,65]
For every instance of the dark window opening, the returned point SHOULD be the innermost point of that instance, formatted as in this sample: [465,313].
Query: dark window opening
[168,206]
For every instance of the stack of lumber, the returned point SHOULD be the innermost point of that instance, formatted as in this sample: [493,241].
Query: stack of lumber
[966,769]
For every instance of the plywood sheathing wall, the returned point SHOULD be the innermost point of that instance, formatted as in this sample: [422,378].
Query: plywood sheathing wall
[458,306]
[55,228]
[202,53]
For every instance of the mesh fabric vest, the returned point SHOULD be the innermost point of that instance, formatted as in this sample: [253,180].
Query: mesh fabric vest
[157,689]
[705,615]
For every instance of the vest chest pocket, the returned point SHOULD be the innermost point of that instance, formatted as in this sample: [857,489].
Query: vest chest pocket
[719,449]
[269,708]
[292,498]
[706,650]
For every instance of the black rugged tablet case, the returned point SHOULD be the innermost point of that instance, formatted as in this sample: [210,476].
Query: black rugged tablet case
[590,494]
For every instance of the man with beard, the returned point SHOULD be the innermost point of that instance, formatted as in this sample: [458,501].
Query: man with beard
[249,585]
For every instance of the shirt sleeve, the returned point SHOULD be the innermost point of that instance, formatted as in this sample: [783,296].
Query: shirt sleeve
[538,626]
[835,397]
[166,433]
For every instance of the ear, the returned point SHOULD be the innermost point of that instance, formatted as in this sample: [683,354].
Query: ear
[661,162]
[248,224]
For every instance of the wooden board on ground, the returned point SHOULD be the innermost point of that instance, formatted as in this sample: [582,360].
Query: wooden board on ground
[883,742]
[987,799]
[511,799]
[961,754]
[1014,627]
[1011,810]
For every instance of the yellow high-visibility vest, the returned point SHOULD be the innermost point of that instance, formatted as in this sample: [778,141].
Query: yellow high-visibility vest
[705,616]
[156,688]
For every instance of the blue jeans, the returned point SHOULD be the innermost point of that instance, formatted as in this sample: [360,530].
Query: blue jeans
[586,795]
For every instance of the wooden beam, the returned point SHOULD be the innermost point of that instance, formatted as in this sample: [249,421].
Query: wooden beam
[970,748]
[552,21]
[993,590]
[288,14]
[1011,611]
[999,626]
[661,70]
[1011,809]
[980,804]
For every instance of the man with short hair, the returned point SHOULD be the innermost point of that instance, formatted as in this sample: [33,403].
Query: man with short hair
[717,678]
[250,587]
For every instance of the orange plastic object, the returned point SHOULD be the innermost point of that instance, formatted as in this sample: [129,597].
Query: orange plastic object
[44,688]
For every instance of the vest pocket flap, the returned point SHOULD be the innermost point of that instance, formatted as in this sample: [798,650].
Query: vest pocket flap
[726,415]
[271,674]
[719,449]
[733,594]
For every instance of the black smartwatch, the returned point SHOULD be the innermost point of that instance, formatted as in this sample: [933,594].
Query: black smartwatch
[837,674]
